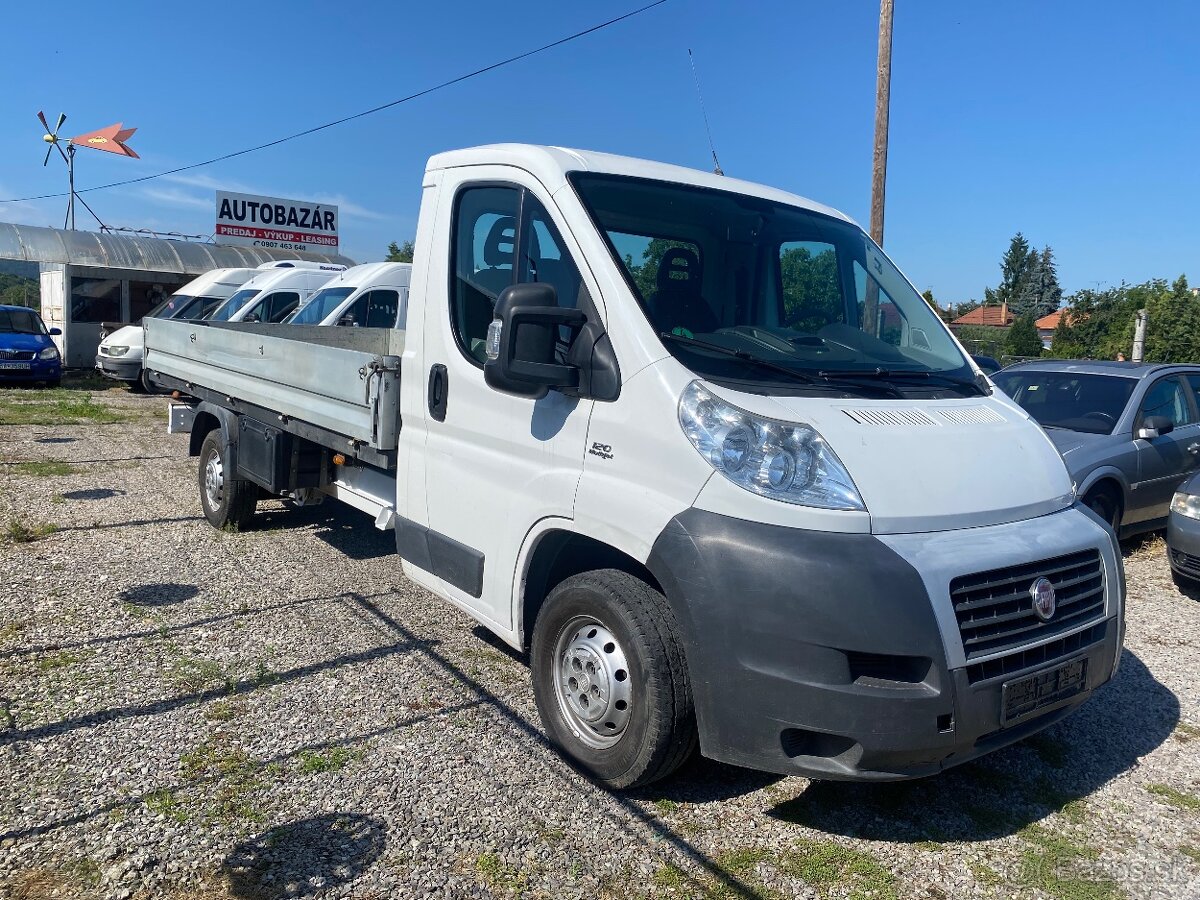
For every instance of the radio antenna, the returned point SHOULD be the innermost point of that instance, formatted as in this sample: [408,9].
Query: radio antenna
[703,112]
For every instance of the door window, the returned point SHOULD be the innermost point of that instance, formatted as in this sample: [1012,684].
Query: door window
[1167,397]
[485,249]
[374,309]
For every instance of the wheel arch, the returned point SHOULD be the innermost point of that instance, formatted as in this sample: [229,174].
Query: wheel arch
[209,418]
[1106,476]
[555,552]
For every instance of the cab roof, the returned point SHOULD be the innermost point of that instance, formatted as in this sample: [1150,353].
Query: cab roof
[551,165]
[396,274]
[1101,367]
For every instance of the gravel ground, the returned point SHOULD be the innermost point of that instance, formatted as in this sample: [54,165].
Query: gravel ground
[190,713]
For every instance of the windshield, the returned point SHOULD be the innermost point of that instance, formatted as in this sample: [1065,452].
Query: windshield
[1088,403]
[771,282]
[322,303]
[226,310]
[20,321]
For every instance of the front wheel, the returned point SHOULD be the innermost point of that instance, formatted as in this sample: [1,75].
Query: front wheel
[610,679]
[1105,503]
[228,501]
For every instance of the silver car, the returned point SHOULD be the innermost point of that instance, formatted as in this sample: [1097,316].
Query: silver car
[1129,433]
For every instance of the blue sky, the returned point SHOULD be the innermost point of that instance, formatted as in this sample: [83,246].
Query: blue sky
[1075,122]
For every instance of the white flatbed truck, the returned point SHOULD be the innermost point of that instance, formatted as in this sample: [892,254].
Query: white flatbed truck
[698,447]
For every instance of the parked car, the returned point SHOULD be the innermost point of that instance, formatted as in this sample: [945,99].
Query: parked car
[1183,532]
[26,352]
[1128,432]
[373,295]
[272,296]
[989,364]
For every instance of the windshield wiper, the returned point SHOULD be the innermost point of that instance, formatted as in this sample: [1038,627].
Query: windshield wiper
[819,379]
[880,373]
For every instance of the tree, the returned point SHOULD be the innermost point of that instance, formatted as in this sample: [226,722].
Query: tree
[1173,329]
[812,298]
[399,252]
[1017,267]
[1041,293]
[1023,338]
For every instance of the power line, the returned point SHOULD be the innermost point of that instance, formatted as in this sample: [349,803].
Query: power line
[358,115]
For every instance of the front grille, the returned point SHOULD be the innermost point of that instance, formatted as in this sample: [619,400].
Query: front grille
[16,354]
[995,609]
[1036,656]
[1185,562]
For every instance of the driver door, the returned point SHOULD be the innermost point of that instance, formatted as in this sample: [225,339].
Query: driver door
[1166,460]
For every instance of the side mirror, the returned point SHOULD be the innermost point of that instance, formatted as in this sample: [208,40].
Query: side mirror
[1154,426]
[55,332]
[521,342]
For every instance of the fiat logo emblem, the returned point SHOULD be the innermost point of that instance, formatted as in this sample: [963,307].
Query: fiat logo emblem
[1044,602]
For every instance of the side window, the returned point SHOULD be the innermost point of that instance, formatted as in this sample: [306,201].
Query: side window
[484,248]
[812,297]
[280,304]
[1194,385]
[374,309]
[1166,397]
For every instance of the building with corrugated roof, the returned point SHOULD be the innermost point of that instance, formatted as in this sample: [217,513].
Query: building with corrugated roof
[92,279]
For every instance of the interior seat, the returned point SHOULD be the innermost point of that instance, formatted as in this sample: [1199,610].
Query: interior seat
[677,302]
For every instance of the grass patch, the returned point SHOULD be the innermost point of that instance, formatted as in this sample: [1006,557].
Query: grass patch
[195,674]
[61,660]
[1192,853]
[19,532]
[10,630]
[1185,732]
[164,803]
[827,865]
[42,468]
[134,610]
[235,774]
[222,711]
[984,873]
[500,876]
[1055,864]
[665,806]
[334,759]
[670,876]
[1178,799]
[55,407]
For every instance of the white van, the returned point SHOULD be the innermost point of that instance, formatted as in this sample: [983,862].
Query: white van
[120,354]
[374,295]
[273,296]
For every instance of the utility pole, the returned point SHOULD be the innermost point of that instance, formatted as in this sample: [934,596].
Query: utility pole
[1139,337]
[883,93]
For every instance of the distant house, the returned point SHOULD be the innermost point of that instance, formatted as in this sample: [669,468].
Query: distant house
[987,316]
[1046,326]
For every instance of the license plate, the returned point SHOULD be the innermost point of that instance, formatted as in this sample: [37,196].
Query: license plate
[14,365]
[1025,696]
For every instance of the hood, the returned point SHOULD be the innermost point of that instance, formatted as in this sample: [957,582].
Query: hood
[125,336]
[1068,441]
[933,465]
[10,341]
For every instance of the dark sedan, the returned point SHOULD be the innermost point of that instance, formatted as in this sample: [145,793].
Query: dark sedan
[1129,433]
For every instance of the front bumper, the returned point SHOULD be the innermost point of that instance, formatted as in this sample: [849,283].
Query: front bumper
[838,656]
[38,370]
[118,368]
[1183,545]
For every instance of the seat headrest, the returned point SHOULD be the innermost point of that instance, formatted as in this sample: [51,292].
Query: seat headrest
[498,248]
[679,270]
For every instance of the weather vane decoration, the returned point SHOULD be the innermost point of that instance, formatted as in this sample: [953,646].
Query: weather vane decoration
[110,139]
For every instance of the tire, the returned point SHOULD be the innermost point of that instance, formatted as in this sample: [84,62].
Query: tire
[228,502]
[592,628]
[54,383]
[138,386]
[1105,503]
[144,382]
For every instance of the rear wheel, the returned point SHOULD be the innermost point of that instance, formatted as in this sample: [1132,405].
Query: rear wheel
[610,679]
[1105,503]
[228,502]
[144,382]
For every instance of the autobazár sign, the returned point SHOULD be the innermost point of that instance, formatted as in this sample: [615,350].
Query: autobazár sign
[251,220]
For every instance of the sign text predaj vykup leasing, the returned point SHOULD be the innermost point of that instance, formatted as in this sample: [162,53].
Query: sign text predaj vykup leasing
[254,221]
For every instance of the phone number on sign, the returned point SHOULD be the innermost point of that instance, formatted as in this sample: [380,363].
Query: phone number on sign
[281,245]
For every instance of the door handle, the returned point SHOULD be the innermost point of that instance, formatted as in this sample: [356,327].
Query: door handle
[1194,448]
[439,388]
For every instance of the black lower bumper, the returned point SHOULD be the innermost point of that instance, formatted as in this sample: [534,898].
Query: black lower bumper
[819,654]
[121,371]
[1183,545]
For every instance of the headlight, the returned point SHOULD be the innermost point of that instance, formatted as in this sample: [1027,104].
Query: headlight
[1186,505]
[115,350]
[786,461]
[49,353]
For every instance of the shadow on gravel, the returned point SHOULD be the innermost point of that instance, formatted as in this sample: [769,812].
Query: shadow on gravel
[346,530]
[998,795]
[93,494]
[153,595]
[130,523]
[57,440]
[305,858]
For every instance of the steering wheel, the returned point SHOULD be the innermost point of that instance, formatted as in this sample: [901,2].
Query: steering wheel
[1096,414]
